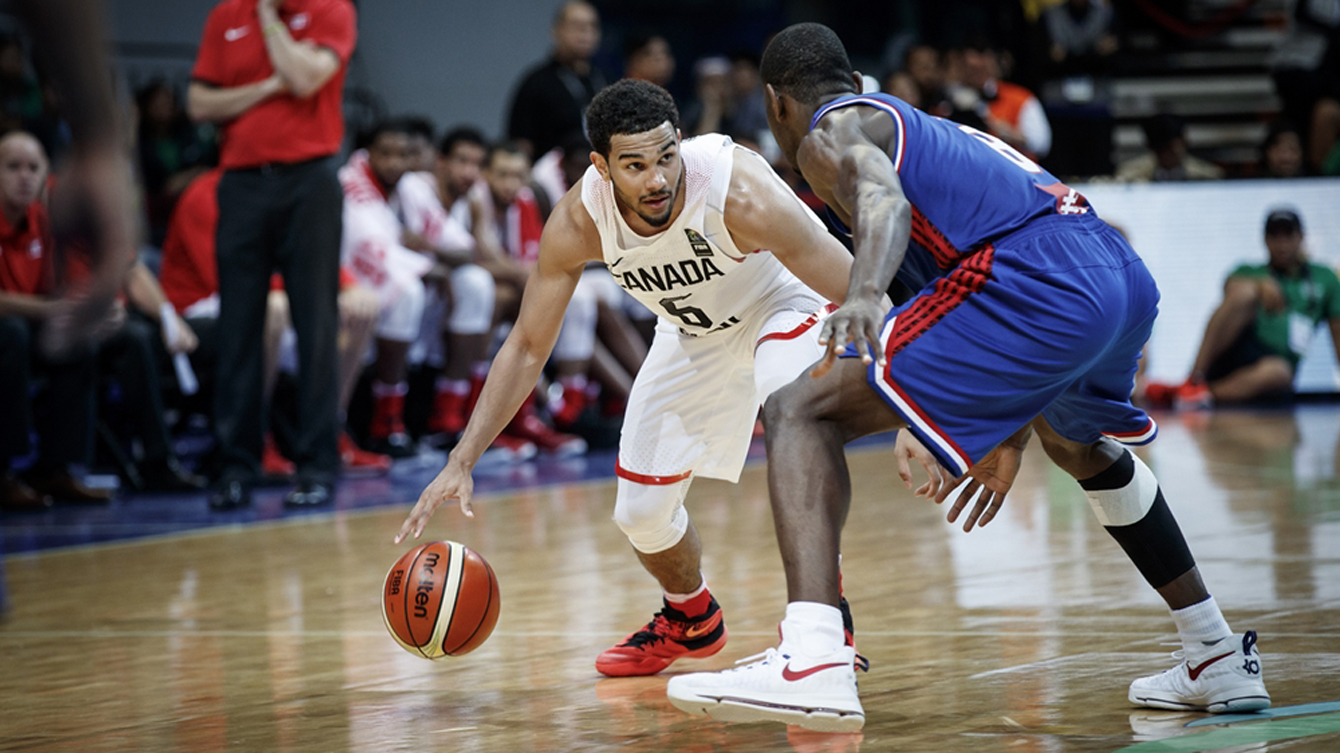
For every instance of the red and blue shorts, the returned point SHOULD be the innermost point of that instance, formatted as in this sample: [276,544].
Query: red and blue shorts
[1048,320]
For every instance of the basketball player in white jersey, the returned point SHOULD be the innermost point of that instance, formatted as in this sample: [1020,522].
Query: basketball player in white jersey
[738,271]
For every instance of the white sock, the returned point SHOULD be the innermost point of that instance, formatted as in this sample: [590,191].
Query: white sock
[1200,624]
[813,628]
[681,598]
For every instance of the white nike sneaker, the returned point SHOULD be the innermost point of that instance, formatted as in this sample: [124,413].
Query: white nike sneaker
[1225,676]
[817,693]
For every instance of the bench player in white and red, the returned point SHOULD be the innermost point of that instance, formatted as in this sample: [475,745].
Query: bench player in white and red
[374,247]
[739,272]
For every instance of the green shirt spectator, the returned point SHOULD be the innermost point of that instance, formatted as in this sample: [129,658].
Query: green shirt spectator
[1311,295]
[1261,331]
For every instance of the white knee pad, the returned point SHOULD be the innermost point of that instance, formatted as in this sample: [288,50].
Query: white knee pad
[577,339]
[472,297]
[652,516]
[1130,503]
[402,309]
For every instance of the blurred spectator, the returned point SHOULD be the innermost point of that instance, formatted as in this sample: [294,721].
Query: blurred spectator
[1324,144]
[1081,36]
[24,102]
[1306,67]
[552,96]
[1255,339]
[922,62]
[1281,152]
[190,283]
[901,85]
[1167,159]
[647,56]
[559,169]
[274,76]
[460,166]
[64,419]
[422,153]
[21,100]
[172,152]
[729,98]
[1011,112]
[135,419]
[711,110]
[746,85]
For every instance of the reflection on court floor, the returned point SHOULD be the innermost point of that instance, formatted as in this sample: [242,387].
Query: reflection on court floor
[265,634]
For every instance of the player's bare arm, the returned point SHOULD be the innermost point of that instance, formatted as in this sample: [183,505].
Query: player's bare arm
[854,175]
[763,213]
[569,241]
[489,252]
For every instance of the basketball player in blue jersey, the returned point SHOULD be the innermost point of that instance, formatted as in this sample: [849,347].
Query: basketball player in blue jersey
[1030,317]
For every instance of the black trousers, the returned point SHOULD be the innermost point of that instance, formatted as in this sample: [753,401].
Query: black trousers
[284,218]
[130,357]
[64,414]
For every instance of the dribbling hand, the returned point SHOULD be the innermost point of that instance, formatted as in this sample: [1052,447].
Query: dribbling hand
[856,321]
[453,482]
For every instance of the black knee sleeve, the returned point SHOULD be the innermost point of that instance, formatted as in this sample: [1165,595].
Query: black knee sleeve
[1155,544]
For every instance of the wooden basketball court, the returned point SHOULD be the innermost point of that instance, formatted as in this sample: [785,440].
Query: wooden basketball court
[1021,636]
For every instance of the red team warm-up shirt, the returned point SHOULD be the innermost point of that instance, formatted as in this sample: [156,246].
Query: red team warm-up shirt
[281,129]
[189,273]
[25,253]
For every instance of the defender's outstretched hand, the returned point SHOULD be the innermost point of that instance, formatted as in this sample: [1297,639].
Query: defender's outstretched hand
[993,475]
[453,482]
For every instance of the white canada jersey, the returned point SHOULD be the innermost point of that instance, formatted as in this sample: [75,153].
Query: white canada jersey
[691,274]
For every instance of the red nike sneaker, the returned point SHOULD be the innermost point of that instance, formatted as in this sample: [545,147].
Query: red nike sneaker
[1158,394]
[273,463]
[355,458]
[670,635]
[1193,395]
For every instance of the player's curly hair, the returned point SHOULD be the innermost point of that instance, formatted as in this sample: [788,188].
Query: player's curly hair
[807,61]
[626,107]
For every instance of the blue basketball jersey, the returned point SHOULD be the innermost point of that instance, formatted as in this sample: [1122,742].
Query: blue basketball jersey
[966,187]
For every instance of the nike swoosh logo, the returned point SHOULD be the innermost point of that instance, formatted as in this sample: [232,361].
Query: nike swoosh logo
[618,261]
[790,676]
[232,35]
[1196,670]
[699,630]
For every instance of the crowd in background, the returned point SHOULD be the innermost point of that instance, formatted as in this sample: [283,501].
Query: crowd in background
[311,303]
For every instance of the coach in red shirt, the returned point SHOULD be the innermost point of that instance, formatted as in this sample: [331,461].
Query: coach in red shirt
[271,72]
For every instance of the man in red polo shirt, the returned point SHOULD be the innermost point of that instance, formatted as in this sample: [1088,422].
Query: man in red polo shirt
[26,306]
[272,73]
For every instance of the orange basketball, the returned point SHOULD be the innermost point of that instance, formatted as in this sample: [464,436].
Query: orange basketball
[440,599]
